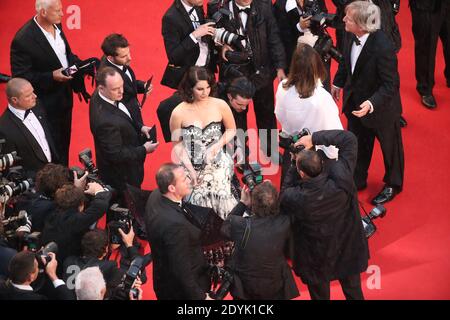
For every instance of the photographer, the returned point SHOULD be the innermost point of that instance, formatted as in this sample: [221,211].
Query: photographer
[23,271]
[329,242]
[259,267]
[180,270]
[70,221]
[265,57]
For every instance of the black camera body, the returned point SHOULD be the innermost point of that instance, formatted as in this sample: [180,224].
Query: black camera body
[136,268]
[369,227]
[87,66]
[252,175]
[43,257]
[119,218]
[226,278]
[287,141]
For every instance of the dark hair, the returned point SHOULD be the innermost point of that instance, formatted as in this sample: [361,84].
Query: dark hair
[165,176]
[69,197]
[52,177]
[94,243]
[21,266]
[190,79]
[309,162]
[265,200]
[306,69]
[112,42]
[103,73]
[241,86]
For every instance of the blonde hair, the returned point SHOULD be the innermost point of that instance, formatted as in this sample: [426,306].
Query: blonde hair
[43,4]
[366,15]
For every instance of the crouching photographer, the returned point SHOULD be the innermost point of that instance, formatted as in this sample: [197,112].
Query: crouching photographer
[24,269]
[258,267]
[329,241]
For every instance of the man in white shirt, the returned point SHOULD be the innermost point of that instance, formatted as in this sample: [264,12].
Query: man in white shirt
[39,53]
[23,126]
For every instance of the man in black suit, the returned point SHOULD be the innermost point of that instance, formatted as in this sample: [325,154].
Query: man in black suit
[254,20]
[23,271]
[23,125]
[180,270]
[116,50]
[430,21]
[119,146]
[329,241]
[371,101]
[183,30]
[39,53]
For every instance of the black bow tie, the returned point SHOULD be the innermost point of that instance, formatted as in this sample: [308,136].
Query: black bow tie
[27,112]
[116,103]
[245,10]
[356,41]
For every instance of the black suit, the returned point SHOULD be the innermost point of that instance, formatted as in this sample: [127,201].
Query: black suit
[267,55]
[33,58]
[375,78]
[329,242]
[20,139]
[430,21]
[9,292]
[118,144]
[180,270]
[182,52]
[260,269]
[131,88]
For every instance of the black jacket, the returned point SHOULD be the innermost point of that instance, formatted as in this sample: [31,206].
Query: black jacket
[119,146]
[6,254]
[260,269]
[375,78]
[131,88]
[180,270]
[182,52]
[20,139]
[67,228]
[329,242]
[9,292]
[426,5]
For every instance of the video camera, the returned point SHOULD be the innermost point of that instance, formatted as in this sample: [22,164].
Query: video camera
[252,175]
[369,227]
[118,218]
[319,22]
[136,268]
[287,141]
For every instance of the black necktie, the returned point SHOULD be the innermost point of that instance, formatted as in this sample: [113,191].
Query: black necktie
[27,112]
[124,69]
[193,18]
[356,40]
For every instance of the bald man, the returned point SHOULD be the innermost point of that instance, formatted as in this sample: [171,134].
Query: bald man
[25,129]
[39,53]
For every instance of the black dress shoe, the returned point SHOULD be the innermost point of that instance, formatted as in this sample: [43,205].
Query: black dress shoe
[429,102]
[403,122]
[387,194]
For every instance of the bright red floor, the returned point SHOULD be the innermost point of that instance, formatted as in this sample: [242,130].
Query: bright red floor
[411,245]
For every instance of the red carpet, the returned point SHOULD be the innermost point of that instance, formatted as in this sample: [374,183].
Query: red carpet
[410,249]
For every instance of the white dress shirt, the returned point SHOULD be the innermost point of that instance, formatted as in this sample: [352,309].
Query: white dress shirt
[356,50]
[57,44]
[121,105]
[204,50]
[243,16]
[34,126]
[318,112]
[121,68]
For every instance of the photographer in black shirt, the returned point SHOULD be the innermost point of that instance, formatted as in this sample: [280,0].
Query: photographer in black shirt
[259,267]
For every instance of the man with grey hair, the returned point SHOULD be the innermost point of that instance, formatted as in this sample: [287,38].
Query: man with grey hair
[23,126]
[371,83]
[90,284]
[39,53]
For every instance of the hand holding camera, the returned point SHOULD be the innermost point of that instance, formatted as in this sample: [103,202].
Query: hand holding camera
[206,29]
[59,76]
[305,22]
[246,198]
[51,266]
[80,182]
[93,188]
[127,238]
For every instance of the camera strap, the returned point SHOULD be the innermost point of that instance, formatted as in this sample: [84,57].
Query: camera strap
[246,234]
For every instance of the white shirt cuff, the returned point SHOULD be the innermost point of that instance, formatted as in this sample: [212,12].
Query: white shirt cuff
[371,106]
[193,38]
[300,28]
[336,87]
[58,282]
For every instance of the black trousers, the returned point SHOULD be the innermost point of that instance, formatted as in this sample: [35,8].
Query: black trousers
[390,138]
[427,27]
[351,286]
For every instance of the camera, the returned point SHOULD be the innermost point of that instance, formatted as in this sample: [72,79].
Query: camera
[11,224]
[86,66]
[134,271]
[32,241]
[4,78]
[369,227]
[287,141]
[43,257]
[119,218]
[9,159]
[252,175]
[226,278]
